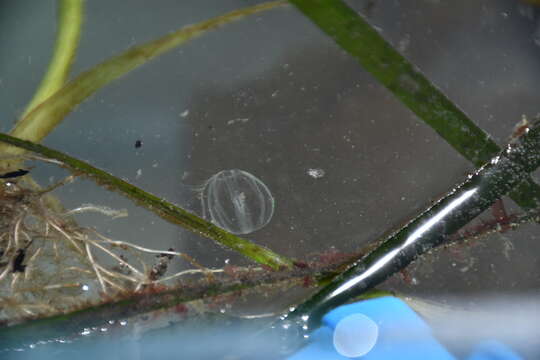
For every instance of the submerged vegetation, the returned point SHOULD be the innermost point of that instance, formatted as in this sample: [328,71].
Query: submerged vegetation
[57,274]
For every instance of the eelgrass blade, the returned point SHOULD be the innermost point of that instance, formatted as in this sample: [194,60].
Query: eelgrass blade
[125,306]
[430,229]
[161,207]
[353,34]
[45,117]
[70,18]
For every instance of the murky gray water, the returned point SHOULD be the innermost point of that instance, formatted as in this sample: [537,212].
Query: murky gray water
[343,159]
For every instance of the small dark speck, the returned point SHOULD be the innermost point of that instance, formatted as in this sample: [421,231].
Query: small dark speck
[18,261]
[211,128]
[138,144]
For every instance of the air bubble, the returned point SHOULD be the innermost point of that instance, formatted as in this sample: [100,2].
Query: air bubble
[355,335]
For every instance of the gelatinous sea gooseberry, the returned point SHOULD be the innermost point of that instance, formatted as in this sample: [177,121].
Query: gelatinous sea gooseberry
[237,201]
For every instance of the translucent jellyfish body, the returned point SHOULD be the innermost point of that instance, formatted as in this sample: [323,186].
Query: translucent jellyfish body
[237,201]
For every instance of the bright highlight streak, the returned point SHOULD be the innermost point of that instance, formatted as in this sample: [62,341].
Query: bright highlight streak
[435,219]
[410,240]
[372,269]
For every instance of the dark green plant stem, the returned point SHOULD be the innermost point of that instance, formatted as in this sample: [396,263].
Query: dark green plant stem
[430,229]
[71,324]
[69,24]
[42,119]
[162,208]
[353,34]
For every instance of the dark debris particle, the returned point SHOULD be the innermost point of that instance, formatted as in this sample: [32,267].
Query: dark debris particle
[18,261]
[168,256]
[138,144]
[159,269]
[14,174]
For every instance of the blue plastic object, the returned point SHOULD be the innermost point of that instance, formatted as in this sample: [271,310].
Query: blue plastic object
[383,329]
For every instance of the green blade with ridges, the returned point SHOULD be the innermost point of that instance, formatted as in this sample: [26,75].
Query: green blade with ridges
[353,34]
